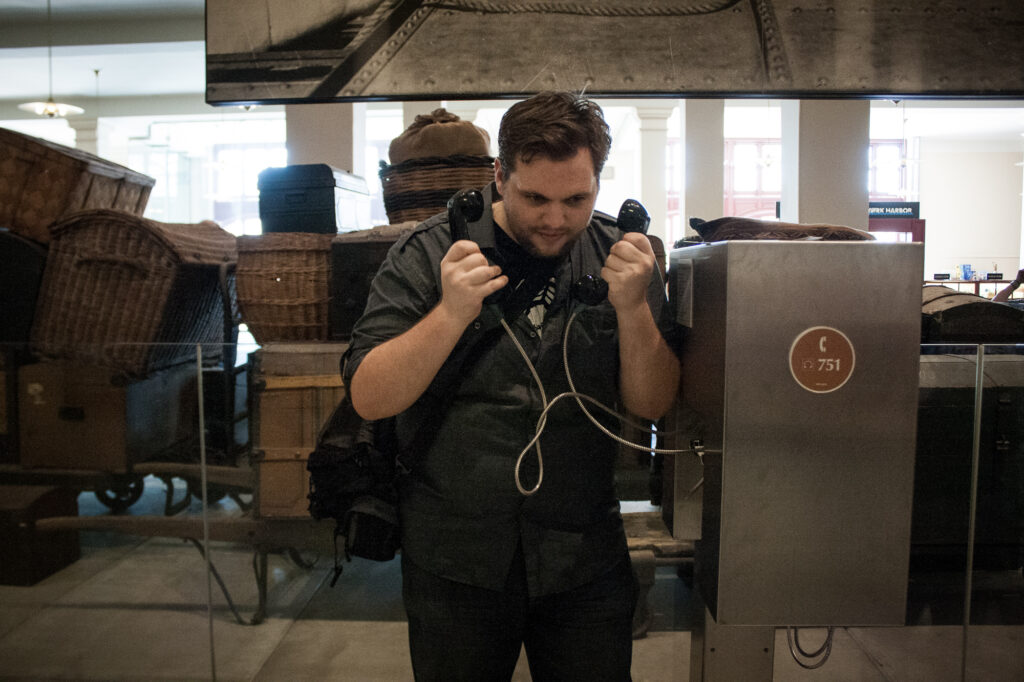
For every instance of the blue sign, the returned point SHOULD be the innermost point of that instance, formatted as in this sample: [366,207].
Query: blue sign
[882,209]
[894,209]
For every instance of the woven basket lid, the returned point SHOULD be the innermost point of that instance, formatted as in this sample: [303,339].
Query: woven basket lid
[439,133]
[203,243]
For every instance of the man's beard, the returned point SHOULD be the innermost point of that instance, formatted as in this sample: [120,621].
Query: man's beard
[523,239]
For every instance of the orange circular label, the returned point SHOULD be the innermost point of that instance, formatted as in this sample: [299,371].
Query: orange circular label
[821,359]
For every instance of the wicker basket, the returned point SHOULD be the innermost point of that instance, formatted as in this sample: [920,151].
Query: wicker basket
[419,188]
[41,182]
[282,285]
[131,294]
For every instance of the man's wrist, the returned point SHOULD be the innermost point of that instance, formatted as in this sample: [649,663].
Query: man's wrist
[631,315]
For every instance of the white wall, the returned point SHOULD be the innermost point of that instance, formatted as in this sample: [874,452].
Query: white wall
[971,200]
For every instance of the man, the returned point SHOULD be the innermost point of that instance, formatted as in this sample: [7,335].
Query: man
[486,568]
[1007,292]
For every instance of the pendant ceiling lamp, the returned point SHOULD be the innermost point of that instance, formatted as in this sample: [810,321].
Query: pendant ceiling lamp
[49,108]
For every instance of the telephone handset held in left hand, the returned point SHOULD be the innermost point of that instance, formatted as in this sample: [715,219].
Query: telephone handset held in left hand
[590,289]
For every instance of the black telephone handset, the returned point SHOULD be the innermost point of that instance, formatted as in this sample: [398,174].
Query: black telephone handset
[591,289]
[467,206]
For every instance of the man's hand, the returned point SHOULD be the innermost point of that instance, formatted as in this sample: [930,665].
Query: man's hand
[395,374]
[466,280]
[648,369]
[628,271]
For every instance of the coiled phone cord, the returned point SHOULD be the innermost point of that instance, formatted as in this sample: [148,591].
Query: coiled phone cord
[579,397]
[540,422]
[793,639]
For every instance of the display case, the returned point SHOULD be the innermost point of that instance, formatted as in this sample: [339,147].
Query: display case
[979,287]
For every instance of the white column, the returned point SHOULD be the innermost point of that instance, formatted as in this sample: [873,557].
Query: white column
[464,109]
[86,137]
[789,204]
[825,162]
[1020,262]
[653,142]
[411,109]
[703,124]
[334,134]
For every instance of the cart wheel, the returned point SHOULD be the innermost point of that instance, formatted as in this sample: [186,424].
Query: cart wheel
[214,492]
[123,495]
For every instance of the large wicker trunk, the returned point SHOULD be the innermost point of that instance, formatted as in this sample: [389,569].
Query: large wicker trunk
[132,294]
[41,182]
[951,316]
[419,188]
[282,285]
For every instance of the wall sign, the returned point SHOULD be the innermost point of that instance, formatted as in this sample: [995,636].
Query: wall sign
[821,359]
[894,209]
[881,209]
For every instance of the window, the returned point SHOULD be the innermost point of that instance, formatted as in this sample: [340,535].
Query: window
[205,167]
[887,170]
[382,126]
[235,175]
[753,177]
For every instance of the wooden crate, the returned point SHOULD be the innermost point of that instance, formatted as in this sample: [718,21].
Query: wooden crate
[42,182]
[74,416]
[295,388]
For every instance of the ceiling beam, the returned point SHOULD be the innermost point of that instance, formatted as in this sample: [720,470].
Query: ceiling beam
[111,31]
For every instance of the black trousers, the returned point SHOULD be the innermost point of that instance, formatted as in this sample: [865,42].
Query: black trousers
[459,632]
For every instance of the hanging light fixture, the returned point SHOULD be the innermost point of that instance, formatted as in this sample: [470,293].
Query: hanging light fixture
[49,108]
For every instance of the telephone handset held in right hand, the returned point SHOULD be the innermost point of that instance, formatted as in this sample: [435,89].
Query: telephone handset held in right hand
[465,207]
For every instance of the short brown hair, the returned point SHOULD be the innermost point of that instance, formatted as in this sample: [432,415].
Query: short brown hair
[553,125]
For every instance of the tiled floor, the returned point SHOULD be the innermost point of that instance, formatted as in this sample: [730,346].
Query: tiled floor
[134,608]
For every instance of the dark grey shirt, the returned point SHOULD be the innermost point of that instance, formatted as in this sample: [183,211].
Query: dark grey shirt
[461,513]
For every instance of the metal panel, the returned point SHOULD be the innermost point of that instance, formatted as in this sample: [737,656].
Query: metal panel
[807,502]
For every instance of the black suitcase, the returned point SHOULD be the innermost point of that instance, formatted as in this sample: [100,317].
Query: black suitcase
[26,555]
[21,273]
[312,198]
[954,317]
[355,259]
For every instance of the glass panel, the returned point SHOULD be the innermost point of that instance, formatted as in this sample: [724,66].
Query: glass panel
[113,458]
[140,458]
[967,523]
[996,604]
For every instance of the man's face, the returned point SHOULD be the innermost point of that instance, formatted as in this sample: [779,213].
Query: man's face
[548,203]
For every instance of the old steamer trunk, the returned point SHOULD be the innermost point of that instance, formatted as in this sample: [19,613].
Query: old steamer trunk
[132,294]
[41,182]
